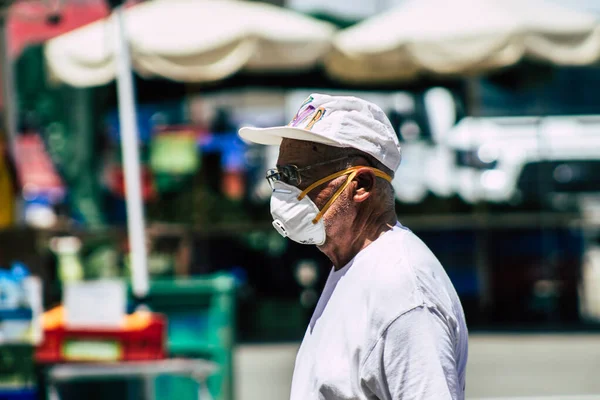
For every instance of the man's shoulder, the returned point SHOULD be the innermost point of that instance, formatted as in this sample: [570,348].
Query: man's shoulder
[394,274]
[386,278]
[397,252]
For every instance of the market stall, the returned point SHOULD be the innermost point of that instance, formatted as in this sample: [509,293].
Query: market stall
[182,41]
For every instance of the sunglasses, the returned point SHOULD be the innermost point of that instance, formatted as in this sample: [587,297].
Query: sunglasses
[291,174]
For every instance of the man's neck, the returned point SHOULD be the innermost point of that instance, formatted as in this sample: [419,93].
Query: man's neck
[342,248]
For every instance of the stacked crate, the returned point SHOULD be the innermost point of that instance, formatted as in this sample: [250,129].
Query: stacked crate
[200,315]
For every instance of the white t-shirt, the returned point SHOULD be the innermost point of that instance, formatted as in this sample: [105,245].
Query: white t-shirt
[389,325]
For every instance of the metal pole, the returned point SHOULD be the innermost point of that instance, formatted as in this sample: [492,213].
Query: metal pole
[131,159]
[8,92]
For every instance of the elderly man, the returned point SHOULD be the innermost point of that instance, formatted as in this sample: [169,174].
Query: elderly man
[389,324]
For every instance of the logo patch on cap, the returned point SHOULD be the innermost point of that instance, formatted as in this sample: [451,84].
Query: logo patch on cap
[302,115]
[305,112]
[316,118]
[309,99]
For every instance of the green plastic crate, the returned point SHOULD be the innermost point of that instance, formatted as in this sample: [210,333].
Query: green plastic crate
[200,312]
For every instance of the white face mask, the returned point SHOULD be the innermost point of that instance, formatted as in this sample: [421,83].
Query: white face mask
[297,217]
[293,218]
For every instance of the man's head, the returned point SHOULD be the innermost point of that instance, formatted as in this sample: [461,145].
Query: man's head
[340,152]
[338,121]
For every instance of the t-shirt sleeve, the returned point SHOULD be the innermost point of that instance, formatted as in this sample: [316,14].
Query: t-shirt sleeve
[413,359]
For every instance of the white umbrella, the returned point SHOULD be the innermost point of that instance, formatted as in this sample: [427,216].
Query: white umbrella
[192,41]
[462,37]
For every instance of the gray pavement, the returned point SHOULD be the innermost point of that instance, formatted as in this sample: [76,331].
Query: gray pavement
[500,367]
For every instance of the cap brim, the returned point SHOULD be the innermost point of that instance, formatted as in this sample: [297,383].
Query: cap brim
[274,136]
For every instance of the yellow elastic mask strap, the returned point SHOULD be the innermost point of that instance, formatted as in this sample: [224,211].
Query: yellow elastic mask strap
[352,171]
[334,197]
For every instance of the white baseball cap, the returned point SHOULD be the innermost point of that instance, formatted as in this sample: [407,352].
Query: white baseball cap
[339,121]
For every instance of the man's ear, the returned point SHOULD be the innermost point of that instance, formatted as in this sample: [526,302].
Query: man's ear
[364,183]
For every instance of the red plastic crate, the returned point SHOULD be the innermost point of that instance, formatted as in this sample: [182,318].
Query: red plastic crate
[133,345]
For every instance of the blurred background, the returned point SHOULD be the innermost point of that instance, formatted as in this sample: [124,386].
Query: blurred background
[136,249]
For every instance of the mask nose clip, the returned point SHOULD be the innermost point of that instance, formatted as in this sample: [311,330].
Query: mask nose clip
[279,227]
